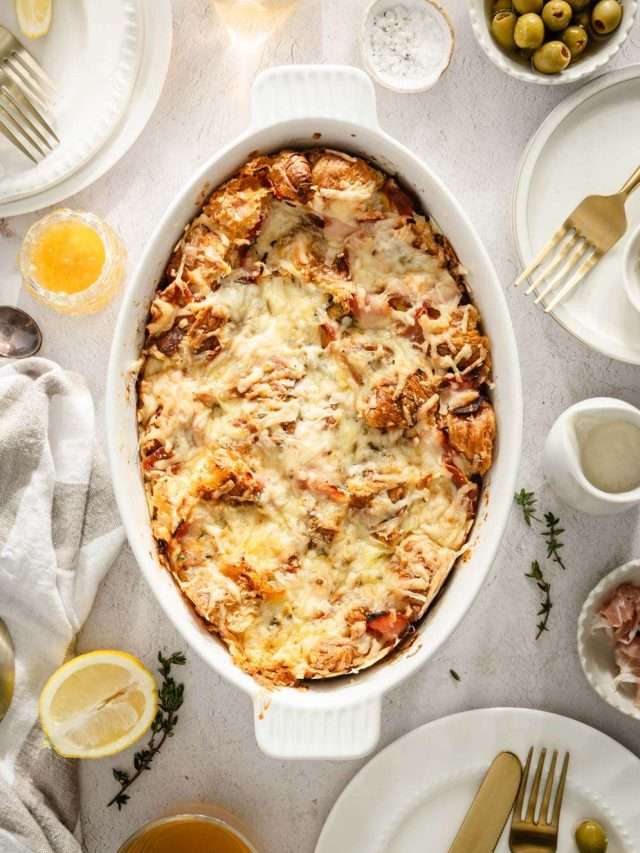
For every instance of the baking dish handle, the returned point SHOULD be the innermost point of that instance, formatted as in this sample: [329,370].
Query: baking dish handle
[342,732]
[313,91]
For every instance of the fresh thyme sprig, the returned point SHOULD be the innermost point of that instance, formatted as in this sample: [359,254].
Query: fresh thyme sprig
[551,535]
[170,699]
[527,502]
[545,605]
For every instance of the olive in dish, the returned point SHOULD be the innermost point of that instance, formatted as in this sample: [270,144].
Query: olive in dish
[552,34]
[314,416]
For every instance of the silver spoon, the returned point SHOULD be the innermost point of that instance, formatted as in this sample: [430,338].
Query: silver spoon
[20,336]
[7,669]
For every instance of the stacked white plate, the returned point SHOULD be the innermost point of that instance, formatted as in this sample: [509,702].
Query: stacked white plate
[587,145]
[109,62]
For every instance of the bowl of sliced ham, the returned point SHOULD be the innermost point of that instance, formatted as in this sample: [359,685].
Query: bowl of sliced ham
[609,638]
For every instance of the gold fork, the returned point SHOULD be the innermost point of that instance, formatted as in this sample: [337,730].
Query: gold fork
[535,832]
[26,93]
[594,227]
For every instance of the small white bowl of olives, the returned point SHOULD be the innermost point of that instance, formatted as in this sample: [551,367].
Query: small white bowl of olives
[551,41]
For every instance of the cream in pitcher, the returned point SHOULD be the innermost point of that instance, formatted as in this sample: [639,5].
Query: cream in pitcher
[592,456]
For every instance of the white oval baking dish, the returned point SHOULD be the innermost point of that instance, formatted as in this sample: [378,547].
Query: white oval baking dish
[332,106]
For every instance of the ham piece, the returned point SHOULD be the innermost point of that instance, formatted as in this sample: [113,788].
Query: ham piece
[622,613]
[620,617]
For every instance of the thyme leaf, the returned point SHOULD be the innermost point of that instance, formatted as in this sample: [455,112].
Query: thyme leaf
[527,503]
[552,533]
[454,675]
[546,604]
[170,699]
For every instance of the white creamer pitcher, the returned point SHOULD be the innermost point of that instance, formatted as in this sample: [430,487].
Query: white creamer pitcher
[563,462]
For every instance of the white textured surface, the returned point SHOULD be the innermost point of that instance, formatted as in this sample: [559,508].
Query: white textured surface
[472,128]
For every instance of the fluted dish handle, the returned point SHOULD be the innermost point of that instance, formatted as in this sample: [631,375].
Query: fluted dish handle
[341,732]
[313,91]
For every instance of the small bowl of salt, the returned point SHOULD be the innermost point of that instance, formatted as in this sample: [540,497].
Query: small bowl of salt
[406,46]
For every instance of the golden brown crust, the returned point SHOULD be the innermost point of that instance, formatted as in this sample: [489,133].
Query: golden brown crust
[474,436]
[312,414]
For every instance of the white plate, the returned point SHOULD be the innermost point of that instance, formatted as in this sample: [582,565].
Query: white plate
[588,144]
[155,23]
[92,54]
[414,795]
[595,648]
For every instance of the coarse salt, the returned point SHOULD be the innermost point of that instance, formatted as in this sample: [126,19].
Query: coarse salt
[408,42]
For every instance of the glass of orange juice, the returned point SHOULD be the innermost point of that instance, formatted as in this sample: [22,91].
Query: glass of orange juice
[195,829]
[72,261]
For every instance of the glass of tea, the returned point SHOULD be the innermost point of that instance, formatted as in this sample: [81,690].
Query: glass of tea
[202,828]
[72,261]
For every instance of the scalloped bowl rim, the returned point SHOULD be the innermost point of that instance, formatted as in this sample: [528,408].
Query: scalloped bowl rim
[585,68]
[629,572]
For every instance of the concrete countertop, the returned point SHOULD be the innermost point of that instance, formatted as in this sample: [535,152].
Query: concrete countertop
[472,129]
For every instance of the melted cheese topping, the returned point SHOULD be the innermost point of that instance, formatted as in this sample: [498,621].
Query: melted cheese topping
[313,416]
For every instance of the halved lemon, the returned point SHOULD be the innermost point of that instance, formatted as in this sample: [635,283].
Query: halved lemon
[98,704]
[34,17]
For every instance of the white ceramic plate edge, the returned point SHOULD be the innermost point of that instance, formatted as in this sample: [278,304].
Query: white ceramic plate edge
[345,820]
[156,33]
[522,183]
[85,145]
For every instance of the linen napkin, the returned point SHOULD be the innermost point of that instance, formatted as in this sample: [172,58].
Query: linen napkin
[59,533]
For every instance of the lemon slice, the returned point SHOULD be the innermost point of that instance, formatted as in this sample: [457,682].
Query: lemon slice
[34,17]
[98,704]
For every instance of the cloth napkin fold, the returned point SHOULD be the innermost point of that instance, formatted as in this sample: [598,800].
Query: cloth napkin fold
[59,533]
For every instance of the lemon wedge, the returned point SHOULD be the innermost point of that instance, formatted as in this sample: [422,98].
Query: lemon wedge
[98,704]
[34,17]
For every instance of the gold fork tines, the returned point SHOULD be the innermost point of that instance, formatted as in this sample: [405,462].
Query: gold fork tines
[23,124]
[536,830]
[594,227]
[26,93]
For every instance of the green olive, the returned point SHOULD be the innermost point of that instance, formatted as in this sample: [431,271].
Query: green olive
[502,6]
[556,15]
[502,28]
[591,837]
[578,5]
[582,19]
[551,58]
[576,39]
[524,6]
[529,31]
[606,16]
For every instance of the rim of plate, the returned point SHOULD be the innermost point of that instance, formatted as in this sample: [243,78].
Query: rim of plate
[63,162]
[529,160]
[600,591]
[617,754]
[156,35]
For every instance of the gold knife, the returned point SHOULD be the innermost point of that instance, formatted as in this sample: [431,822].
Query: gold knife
[482,827]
